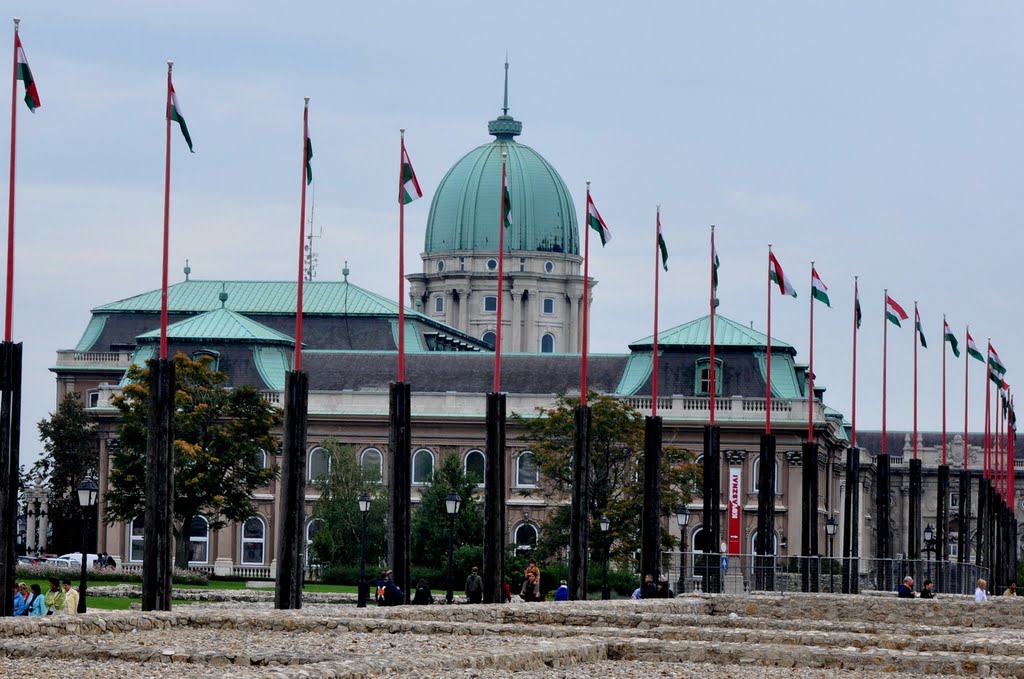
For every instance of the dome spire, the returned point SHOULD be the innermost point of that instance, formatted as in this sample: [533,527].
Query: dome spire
[505,127]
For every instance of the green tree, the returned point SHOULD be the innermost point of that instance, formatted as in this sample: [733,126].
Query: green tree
[220,437]
[616,472]
[71,454]
[429,532]
[337,540]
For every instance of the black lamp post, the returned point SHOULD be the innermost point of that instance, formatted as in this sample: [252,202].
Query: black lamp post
[606,592]
[364,509]
[452,504]
[831,526]
[682,520]
[929,547]
[87,494]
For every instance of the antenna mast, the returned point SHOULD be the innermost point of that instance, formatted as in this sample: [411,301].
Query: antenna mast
[311,254]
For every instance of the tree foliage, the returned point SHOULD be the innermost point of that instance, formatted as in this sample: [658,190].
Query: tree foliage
[429,532]
[220,437]
[616,472]
[70,455]
[337,540]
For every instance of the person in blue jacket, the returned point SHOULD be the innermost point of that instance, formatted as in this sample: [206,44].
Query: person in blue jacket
[36,602]
[562,593]
[19,600]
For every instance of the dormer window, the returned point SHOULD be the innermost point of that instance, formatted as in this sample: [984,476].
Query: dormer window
[702,377]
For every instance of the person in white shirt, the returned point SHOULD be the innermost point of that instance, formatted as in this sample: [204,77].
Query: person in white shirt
[980,594]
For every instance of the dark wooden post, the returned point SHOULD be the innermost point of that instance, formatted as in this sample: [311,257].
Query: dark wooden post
[158,552]
[650,520]
[579,521]
[494,501]
[764,544]
[10,444]
[399,496]
[291,532]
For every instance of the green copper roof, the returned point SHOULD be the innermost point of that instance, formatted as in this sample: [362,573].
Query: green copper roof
[262,297]
[728,333]
[272,363]
[784,380]
[465,211]
[222,325]
[639,366]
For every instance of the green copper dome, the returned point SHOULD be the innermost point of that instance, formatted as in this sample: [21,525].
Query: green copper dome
[465,212]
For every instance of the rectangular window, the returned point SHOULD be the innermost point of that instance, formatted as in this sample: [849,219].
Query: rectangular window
[703,378]
[954,500]
[439,305]
[549,305]
[522,263]
[954,545]
[490,303]
[94,399]
[462,263]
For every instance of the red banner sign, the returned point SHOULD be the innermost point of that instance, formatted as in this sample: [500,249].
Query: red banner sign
[735,511]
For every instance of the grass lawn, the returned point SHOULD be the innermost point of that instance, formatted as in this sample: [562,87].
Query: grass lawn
[120,603]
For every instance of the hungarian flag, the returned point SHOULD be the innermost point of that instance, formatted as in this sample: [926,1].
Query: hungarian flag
[894,312]
[972,348]
[410,189]
[508,207]
[595,222]
[177,116]
[948,336]
[714,267]
[920,330]
[25,73]
[777,276]
[309,158]
[996,369]
[662,246]
[819,290]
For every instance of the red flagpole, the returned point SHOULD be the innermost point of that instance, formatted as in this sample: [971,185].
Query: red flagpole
[586,300]
[167,219]
[1011,469]
[944,389]
[997,462]
[810,368]
[712,385]
[302,238]
[967,370]
[885,350]
[917,319]
[853,407]
[501,278]
[10,193]
[768,357]
[988,412]
[657,267]
[401,264]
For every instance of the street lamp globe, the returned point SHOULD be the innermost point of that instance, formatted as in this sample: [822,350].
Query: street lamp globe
[929,533]
[682,516]
[831,526]
[364,503]
[452,503]
[605,524]
[87,493]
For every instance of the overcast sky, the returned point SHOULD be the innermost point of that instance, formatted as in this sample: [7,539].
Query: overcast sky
[876,138]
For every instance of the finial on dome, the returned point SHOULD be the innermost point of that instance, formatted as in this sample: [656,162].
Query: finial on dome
[505,127]
[223,296]
[187,270]
[345,272]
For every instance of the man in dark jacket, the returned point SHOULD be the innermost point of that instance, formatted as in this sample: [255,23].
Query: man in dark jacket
[475,587]
[906,590]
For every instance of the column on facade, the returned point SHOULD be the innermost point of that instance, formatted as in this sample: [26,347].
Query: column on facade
[449,307]
[517,321]
[529,321]
[794,500]
[464,311]
[573,339]
[30,530]
[44,525]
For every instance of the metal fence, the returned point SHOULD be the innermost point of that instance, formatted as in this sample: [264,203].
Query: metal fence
[740,573]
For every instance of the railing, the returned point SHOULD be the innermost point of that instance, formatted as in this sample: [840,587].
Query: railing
[645,403]
[742,573]
[114,359]
[247,572]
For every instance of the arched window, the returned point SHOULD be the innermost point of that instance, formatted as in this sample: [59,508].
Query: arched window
[475,464]
[702,377]
[422,466]
[262,459]
[697,549]
[547,344]
[207,354]
[199,541]
[773,548]
[525,537]
[319,463]
[527,474]
[136,534]
[755,476]
[311,528]
[439,304]
[489,338]
[372,462]
[254,536]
